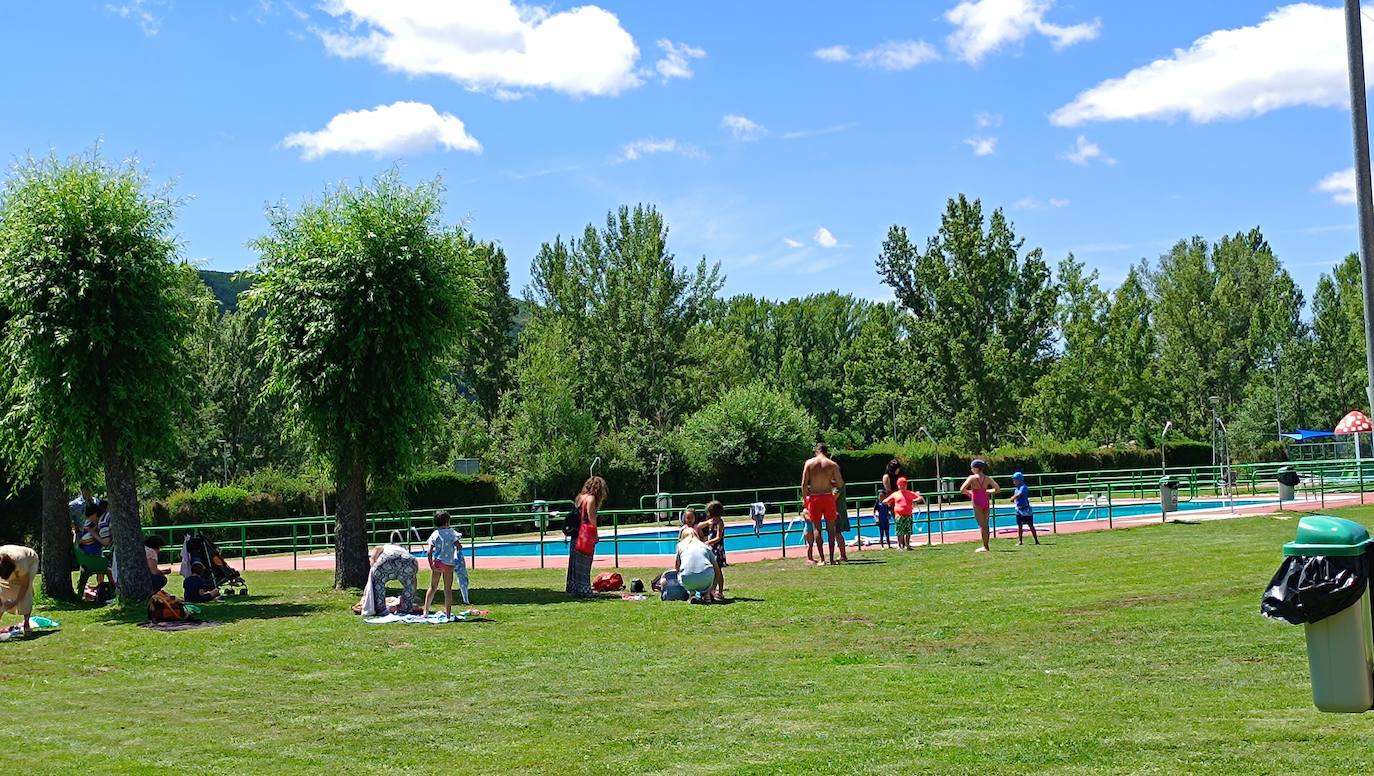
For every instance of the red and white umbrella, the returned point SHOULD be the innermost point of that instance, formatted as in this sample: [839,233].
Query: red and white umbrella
[1355,422]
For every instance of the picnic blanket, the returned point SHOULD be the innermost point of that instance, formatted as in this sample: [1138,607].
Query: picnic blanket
[436,618]
[16,632]
[183,625]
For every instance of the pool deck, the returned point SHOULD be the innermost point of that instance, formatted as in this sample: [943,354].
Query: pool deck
[607,560]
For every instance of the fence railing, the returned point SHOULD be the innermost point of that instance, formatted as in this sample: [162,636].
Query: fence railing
[520,529]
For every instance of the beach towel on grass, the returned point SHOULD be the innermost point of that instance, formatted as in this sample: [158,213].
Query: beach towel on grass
[437,618]
[39,624]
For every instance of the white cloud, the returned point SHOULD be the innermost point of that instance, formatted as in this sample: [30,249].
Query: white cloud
[638,149]
[893,55]
[985,26]
[742,127]
[805,133]
[982,146]
[1084,151]
[833,54]
[398,128]
[825,239]
[490,44]
[793,244]
[1032,203]
[1295,56]
[674,63]
[985,120]
[1340,185]
[140,11]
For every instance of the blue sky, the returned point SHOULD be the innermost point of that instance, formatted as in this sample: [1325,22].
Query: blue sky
[779,138]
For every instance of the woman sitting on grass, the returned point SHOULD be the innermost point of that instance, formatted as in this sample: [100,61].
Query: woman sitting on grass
[151,547]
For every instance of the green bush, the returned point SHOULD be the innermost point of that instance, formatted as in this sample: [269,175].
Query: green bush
[750,435]
[440,488]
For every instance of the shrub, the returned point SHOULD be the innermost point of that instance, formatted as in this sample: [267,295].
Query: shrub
[440,488]
[751,434]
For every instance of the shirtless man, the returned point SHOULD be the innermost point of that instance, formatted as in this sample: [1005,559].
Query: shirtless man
[820,480]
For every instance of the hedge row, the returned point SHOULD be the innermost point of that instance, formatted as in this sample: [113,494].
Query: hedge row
[265,496]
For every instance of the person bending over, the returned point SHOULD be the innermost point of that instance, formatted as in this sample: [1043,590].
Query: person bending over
[18,567]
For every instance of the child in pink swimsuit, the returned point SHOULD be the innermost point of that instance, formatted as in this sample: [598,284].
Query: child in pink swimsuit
[980,488]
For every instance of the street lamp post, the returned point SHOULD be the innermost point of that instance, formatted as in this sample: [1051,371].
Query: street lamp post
[1163,469]
[1359,119]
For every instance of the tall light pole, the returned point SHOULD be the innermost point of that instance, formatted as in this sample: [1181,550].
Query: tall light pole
[1359,119]
[1164,470]
[1278,419]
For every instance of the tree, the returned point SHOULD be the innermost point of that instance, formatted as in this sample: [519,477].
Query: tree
[1130,398]
[365,299]
[1067,402]
[96,339]
[880,377]
[485,367]
[546,435]
[982,316]
[1252,310]
[630,310]
[1338,357]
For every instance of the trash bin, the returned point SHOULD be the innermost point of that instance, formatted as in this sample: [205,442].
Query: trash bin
[1288,480]
[1168,494]
[664,503]
[1323,585]
[540,508]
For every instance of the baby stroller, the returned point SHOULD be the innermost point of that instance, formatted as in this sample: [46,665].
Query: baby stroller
[200,548]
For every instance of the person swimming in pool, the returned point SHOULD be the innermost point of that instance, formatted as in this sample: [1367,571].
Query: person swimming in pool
[821,479]
[980,488]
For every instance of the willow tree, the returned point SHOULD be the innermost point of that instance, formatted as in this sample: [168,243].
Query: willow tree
[94,346]
[365,299]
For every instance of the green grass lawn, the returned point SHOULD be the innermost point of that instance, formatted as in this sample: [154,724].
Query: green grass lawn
[1131,651]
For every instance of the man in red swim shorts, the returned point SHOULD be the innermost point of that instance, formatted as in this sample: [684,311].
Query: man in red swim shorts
[820,481]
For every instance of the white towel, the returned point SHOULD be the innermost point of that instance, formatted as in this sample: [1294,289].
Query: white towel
[186,557]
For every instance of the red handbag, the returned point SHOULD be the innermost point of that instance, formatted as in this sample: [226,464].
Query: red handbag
[586,539]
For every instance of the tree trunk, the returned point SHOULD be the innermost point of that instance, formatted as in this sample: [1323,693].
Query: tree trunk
[134,580]
[56,561]
[350,530]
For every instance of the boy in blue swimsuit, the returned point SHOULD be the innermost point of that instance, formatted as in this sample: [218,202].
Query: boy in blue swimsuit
[1024,515]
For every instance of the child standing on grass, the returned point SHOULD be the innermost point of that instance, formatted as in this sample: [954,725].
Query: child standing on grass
[903,503]
[442,550]
[715,539]
[1025,516]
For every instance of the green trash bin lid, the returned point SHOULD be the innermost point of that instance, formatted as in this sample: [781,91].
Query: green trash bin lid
[1323,535]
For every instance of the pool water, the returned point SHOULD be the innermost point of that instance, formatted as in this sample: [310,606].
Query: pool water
[741,537]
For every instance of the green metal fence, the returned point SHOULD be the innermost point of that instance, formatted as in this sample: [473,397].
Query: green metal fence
[1098,494]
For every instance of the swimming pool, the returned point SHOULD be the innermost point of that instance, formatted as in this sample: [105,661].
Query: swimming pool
[742,538]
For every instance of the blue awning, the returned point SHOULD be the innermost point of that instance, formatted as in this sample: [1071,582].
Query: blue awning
[1304,434]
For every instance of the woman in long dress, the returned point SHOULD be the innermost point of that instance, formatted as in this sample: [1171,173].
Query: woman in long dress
[583,546]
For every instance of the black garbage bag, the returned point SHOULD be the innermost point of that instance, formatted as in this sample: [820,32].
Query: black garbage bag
[1310,589]
[1289,477]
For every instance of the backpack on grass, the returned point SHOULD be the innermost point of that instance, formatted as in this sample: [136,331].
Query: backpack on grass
[165,607]
[607,581]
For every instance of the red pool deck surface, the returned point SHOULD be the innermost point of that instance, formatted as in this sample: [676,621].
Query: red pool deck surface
[557,558]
